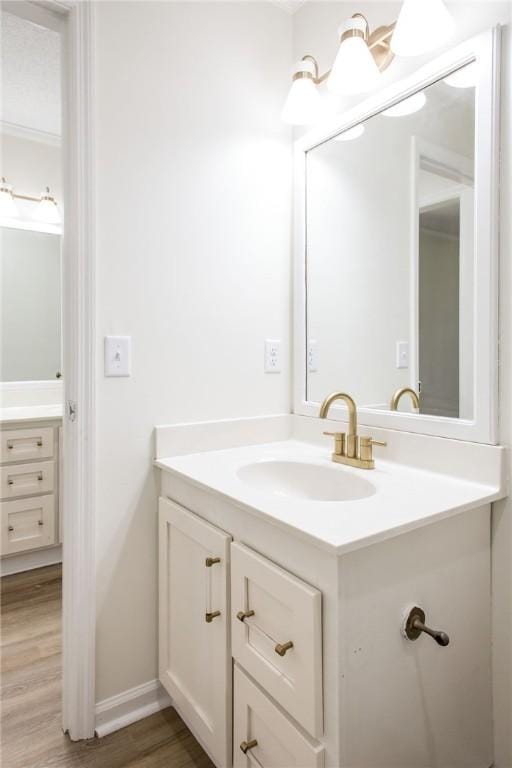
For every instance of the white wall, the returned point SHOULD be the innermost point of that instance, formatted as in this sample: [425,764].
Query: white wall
[193,261]
[315,26]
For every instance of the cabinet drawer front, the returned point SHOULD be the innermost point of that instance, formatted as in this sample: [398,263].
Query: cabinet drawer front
[194,648]
[26,479]
[279,743]
[26,444]
[27,524]
[280,645]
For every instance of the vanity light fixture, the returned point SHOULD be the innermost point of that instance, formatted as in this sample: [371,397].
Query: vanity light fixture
[354,69]
[352,133]
[47,209]
[422,25]
[304,104]
[408,106]
[8,207]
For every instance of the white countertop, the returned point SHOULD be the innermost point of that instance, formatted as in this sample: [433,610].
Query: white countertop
[405,497]
[31,413]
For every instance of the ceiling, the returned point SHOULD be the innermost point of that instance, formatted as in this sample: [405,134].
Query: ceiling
[31,91]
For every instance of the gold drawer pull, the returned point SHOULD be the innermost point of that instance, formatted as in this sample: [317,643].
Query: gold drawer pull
[243,615]
[11,528]
[40,477]
[209,617]
[40,522]
[10,444]
[211,561]
[281,649]
[245,746]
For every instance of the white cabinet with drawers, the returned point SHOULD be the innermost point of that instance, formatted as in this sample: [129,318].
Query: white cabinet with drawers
[304,662]
[29,486]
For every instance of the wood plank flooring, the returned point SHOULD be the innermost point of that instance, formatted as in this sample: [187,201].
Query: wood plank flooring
[31,735]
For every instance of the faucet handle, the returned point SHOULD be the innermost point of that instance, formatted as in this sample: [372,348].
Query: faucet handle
[365,447]
[339,442]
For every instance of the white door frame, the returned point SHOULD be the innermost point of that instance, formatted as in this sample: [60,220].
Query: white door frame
[74,20]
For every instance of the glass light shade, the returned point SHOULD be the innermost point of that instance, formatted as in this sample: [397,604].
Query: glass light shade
[354,69]
[47,210]
[464,77]
[352,133]
[8,208]
[303,105]
[408,106]
[422,26]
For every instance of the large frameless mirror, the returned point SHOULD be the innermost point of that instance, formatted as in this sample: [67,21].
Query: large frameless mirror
[391,267]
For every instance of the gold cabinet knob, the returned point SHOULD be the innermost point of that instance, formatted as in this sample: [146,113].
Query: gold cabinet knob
[209,617]
[211,561]
[245,746]
[281,648]
[243,615]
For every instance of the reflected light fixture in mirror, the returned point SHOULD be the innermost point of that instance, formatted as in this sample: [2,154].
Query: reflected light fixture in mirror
[463,78]
[304,104]
[408,106]
[354,69]
[422,26]
[8,207]
[352,133]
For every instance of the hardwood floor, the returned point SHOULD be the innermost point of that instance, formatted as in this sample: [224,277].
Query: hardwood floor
[31,735]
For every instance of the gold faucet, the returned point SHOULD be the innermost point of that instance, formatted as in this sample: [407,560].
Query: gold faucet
[405,391]
[349,449]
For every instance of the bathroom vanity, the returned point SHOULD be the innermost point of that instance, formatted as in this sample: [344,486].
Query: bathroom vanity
[285,582]
[29,472]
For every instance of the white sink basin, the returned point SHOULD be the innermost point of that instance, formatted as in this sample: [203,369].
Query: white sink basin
[299,480]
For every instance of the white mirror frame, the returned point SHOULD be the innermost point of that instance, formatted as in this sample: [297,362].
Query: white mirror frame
[482,428]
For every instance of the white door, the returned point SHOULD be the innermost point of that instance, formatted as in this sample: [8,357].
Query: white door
[194,640]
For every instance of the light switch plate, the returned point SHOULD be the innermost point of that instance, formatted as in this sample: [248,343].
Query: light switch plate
[402,354]
[118,355]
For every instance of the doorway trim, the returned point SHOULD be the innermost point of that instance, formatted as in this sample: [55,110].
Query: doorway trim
[79,582]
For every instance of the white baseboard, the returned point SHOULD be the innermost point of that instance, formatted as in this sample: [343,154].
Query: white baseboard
[128,707]
[28,561]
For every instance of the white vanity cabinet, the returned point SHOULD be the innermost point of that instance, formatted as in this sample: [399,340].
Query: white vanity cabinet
[29,485]
[323,673]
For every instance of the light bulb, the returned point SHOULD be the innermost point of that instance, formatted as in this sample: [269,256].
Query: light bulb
[407,106]
[8,207]
[352,133]
[303,105]
[47,210]
[464,77]
[422,26]
[354,69]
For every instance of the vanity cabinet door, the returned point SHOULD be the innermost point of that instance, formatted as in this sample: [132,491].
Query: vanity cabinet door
[264,736]
[194,647]
[277,634]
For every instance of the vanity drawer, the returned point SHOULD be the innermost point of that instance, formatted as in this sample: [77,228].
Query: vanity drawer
[26,479]
[27,524]
[286,611]
[26,444]
[279,742]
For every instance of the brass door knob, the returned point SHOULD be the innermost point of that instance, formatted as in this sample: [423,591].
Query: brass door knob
[209,617]
[243,615]
[415,625]
[282,648]
[245,746]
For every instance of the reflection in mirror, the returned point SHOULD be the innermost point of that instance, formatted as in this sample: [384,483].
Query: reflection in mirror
[31,305]
[389,254]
